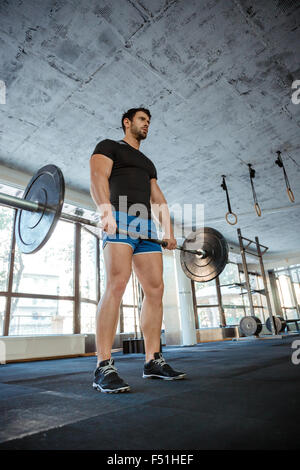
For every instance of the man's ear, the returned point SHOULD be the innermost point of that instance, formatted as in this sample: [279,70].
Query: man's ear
[126,121]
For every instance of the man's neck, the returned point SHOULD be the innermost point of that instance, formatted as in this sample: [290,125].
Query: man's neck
[132,141]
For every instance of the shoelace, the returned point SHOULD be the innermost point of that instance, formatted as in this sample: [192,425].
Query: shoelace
[160,361]
[108,369]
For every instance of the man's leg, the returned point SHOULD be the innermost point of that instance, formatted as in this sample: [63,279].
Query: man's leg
[149,270]
[118,266]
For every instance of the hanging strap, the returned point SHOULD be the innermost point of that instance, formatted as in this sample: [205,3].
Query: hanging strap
[279,162]
[224,186]
[252,176]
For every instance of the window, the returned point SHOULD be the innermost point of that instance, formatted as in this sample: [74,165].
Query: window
[207,304]
[88,266]
[6,225]
[2,313]
[234,297]
[41,299]
[88,317]
[50,270]
[232,294]
[46,317]
[288,288]
[130,306]
[258,297]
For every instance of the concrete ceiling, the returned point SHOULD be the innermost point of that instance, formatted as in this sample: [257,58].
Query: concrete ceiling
[216,75]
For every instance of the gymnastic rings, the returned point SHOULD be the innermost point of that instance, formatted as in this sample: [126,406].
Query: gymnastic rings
[224,186]
[279,162]
[257,209]
[231,222]
[290,194]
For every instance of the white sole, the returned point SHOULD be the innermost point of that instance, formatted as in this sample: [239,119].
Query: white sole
[105,390]
[163,377]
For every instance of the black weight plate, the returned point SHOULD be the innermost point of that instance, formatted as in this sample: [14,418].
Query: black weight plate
[208,268]
[250,325]
[33,229]
[279,323]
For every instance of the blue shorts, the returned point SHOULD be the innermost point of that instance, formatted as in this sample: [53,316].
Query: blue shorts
[137,226]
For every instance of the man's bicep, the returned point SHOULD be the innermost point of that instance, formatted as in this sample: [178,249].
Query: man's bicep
[100,165]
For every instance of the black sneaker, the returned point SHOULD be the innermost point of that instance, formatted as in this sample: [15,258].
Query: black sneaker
[158,367]
[107,380]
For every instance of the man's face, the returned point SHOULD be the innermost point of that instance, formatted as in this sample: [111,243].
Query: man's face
[139,125]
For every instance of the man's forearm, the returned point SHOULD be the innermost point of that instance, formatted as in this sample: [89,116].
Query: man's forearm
[162,214]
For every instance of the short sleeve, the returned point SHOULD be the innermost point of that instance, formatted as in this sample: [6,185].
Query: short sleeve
[153,172]
[107,148]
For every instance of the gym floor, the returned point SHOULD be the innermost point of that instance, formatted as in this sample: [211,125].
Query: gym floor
[238,395]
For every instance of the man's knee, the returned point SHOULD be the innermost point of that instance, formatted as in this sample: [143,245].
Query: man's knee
[154,289]
[117,284]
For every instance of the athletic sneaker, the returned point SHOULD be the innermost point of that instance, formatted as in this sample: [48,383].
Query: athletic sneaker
[107,380]
[158,367]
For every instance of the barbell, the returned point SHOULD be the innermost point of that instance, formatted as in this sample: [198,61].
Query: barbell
[204,252]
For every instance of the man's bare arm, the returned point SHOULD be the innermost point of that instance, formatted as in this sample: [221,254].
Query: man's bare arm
[100,168]
[160,209]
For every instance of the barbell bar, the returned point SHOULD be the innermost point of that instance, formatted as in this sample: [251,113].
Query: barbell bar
[203,256]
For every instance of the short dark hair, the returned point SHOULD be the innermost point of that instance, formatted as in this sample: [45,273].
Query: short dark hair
[131,113]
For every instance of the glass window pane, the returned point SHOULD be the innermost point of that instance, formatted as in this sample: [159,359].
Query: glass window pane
[297,292]
[259,313]
[102,271]
[88,317]
[291,313]
[295,278]
[88,266]
[128,315]
[232,299]
[128,294]
[50,270]
[295,274]
[41,317]
[206,293]
[208,317]
[230,275]
[286,290]
[234,316]
[2,313]
[6,224]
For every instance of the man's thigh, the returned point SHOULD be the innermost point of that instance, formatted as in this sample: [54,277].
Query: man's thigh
[148,266]
[118,260]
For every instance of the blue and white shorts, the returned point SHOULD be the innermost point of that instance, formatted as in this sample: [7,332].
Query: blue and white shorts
[137,226]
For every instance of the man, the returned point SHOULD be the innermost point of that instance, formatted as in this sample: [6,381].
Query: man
[120,171]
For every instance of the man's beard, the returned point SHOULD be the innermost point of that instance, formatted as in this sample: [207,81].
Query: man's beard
[138,134]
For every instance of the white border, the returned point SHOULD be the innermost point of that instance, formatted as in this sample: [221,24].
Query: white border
[146,252]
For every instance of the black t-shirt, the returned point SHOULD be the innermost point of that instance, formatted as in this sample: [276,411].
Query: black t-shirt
[130,176]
